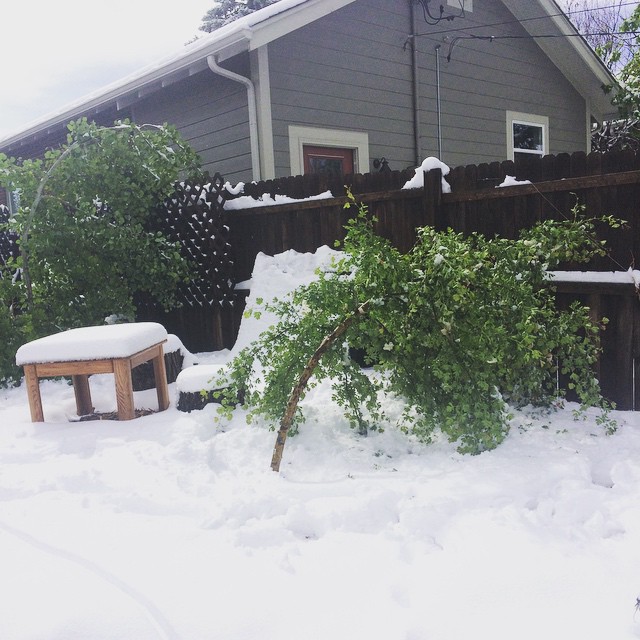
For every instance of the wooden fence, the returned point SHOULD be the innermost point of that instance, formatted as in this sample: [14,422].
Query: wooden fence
[619,366]
[8,239]
[603,184]
[227,242]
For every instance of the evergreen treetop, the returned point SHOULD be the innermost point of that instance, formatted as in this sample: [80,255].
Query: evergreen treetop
[225,11]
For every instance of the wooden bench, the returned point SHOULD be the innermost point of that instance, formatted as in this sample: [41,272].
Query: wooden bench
[78,353]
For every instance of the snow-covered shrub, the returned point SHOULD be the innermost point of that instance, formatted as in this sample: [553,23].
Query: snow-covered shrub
[86,244]
[459,328]
[87,247]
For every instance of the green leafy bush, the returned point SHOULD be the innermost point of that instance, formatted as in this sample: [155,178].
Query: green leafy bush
[12,336]
[87,247]
[460,327]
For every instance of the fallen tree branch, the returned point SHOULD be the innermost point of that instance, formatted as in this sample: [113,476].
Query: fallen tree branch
[296,392]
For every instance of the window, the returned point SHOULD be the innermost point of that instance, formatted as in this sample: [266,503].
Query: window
[312,149]
[527,135]
[12,200]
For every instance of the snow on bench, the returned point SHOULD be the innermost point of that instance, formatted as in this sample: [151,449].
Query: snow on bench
[92,343]
[84,351]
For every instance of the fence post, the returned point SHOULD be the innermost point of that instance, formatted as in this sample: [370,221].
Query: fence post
[432,196]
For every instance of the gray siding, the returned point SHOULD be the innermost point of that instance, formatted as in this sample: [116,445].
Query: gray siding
[483,80]
[350,71]
[346,71]
[212,114]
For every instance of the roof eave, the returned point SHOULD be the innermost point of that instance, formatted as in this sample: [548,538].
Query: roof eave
[135,86]
[245,34]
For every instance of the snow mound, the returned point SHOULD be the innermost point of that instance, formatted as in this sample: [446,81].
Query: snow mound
[275,277]
[417,182]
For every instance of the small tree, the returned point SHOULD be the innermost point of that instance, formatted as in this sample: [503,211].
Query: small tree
[601,25]
[629,98]
[612,30]
[86,245]
[458,327]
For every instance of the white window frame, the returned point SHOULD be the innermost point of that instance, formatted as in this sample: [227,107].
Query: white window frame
[320,137]
[530,119]
[13,200]
[464,5]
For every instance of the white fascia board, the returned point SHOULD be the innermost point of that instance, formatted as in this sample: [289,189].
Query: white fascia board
[579,44]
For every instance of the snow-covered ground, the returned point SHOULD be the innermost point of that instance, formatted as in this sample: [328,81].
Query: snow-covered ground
[171,526]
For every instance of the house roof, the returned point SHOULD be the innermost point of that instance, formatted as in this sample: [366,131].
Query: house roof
[572,55]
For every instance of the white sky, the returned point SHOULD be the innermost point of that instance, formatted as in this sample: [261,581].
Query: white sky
[54,52]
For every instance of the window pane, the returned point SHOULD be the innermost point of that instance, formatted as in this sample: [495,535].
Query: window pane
[528,136]
[335,161]
[319,164]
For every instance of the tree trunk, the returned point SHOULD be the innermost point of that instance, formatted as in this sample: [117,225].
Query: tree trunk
[296,392]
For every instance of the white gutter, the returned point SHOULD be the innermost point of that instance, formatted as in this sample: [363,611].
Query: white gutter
[253,110]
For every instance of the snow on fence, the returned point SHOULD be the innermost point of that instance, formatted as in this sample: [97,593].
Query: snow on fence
[225,243]
[605,184]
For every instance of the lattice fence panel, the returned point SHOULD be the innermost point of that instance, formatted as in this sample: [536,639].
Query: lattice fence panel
[194,217]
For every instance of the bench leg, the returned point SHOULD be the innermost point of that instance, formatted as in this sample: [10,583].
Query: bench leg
[124,388]
[33,393]
[82,392]
[160,375]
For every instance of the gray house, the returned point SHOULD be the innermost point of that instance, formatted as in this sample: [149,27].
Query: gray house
[309,85]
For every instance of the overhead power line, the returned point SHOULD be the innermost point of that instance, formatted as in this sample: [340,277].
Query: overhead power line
[457,39]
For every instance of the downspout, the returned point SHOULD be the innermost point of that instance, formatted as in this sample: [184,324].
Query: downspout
[253,111]
[416,88]
[438,103]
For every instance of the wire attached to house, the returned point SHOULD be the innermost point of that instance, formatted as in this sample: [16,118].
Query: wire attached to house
[433,20]
[505,23]
[454,41]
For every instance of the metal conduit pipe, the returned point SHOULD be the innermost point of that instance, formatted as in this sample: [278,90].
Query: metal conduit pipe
[253,111]
[438,103]
[416,87]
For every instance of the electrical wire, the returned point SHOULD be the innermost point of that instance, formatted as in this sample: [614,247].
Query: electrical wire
[457,39]
[434,20]
[532,19]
